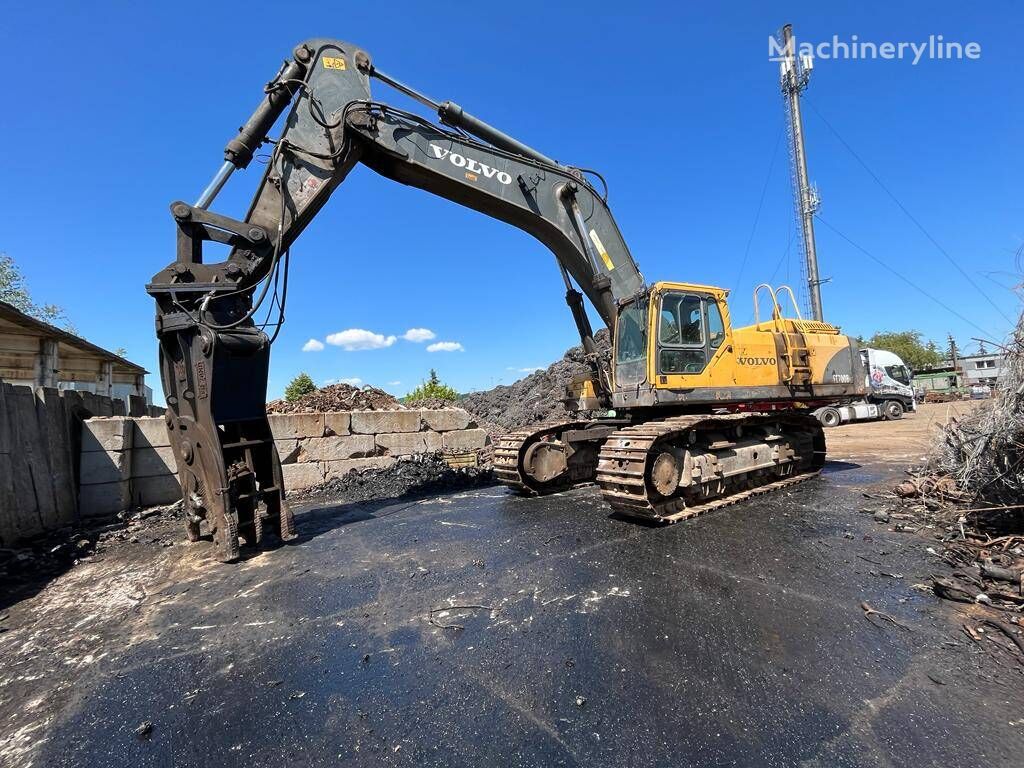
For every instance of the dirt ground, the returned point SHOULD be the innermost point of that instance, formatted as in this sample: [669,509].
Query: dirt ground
[481,628]
[905,441]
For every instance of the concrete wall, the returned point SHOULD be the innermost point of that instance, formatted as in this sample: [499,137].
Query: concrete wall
[128,462]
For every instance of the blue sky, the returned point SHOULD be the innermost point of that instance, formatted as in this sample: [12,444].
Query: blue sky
[121,108]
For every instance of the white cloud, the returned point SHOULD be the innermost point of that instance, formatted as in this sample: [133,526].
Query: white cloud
[445,346]
[355,381]
[353,339]
[313,346]
[394,383]
[419,335]
[527,369]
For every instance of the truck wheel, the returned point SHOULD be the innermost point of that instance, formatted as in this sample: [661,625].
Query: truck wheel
[892,410]
[829,417]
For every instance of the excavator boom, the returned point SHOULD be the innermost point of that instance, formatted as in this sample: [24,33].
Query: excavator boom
[215,358]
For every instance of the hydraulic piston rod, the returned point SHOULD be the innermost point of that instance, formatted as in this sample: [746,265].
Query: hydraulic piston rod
[239,151]
[454,115]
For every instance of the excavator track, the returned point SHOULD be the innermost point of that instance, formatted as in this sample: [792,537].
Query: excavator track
[676,468]
[512,452]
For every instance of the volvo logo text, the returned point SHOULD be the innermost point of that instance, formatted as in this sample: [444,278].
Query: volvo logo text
[471,165]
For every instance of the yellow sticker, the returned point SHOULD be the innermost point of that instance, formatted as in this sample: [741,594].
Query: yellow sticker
[600,249]
[334,62]
[471,176]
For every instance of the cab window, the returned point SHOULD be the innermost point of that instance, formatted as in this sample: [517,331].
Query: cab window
[630,339]
[899,373]
[631,344]
[716,328]
[682,320]
[690,330]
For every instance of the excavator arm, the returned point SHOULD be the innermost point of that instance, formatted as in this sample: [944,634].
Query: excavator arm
[214,353]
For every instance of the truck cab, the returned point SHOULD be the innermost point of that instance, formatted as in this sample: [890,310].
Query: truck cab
[888,382]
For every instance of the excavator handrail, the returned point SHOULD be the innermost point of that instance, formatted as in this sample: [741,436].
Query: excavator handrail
[776,309]
[792,299]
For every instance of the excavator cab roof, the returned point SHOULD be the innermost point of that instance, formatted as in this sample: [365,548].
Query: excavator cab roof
[668,285]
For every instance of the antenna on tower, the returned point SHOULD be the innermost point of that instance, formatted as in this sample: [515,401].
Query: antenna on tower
[794,74]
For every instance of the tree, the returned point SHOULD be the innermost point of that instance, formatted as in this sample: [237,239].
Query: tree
[299,386]
[908,345]
[432,389]
[14,291]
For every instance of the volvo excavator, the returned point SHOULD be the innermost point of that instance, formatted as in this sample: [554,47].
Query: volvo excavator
[688,413]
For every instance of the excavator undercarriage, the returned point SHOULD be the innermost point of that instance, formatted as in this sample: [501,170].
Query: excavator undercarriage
[665,470]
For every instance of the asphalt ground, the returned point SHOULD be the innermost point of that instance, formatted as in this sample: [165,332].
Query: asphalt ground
[738,638]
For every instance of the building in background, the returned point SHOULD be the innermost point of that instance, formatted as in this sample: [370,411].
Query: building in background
[979,371]
[37,354]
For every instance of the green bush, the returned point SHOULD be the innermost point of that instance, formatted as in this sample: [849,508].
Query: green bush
[299,386]
[432,389]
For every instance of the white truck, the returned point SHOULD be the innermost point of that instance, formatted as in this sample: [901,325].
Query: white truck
[889,396]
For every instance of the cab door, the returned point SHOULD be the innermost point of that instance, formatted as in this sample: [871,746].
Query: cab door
[690,333]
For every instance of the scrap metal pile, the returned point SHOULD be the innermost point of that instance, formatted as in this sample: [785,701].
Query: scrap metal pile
[971,493]
[984,452]
[338,397]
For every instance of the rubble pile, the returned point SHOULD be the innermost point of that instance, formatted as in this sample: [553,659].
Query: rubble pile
[431,403]
[984,563]
[422,475]
[338,397]
[532,399]
[56,552]
[970,497]
[45,557]
[983,453]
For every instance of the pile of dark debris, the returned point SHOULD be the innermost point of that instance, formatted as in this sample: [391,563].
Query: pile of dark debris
[970,497]
[534,398]
[412,477]
[55,553]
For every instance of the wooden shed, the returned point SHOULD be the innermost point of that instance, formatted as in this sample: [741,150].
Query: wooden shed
[37,354]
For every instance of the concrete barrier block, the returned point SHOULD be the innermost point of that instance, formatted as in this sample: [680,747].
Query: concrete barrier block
[153,462]
[285,425]
[337,423]
[336,448]
[103,499]
[299,477]
[107,434]
[98,467]
[288,450]
[379,422]
[465,440]
[343,467]
[150,433]
[151,491]
[409,443]
[447,419]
